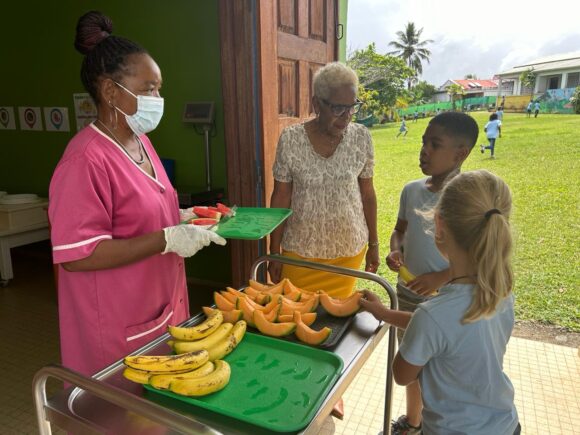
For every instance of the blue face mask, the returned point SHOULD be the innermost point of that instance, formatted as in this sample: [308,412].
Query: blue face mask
[149,113]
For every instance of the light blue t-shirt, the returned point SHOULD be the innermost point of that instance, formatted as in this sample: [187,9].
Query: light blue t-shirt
[536,106]
[492,128]
[463,386]
[420,253]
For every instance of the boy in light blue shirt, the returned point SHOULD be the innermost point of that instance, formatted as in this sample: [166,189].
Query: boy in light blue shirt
[493,130]
[536,109]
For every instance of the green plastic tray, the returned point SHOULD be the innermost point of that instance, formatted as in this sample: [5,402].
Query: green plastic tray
[252,223]
[275,384]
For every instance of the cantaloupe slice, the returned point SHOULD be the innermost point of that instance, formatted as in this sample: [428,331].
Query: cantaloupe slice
[307,318]
[308,335]
[222,303]
[258,285]
[247,310]
[340,308]
[288,307]
[273,329]
[231,316]
[229,296]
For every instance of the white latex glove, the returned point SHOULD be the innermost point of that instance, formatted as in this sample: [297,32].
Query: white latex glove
[186,240]
[186,214]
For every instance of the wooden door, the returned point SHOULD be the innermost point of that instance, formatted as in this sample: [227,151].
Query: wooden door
[297,37]
[270,50]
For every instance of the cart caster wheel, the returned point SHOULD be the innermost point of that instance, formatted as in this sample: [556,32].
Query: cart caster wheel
[4,283]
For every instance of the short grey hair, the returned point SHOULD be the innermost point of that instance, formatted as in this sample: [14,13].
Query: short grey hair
[332,76]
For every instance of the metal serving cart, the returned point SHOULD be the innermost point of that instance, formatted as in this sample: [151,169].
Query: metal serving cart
[109,403]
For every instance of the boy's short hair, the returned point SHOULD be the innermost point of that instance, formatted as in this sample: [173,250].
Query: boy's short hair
[459,126]
[493,116]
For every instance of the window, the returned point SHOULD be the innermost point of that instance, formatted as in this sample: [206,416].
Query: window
[573,80]
[554,82]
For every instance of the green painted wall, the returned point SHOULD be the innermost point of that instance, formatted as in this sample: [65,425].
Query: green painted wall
[342,15]
[40,67]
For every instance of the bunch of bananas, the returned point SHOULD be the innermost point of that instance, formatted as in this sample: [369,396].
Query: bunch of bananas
[198,368]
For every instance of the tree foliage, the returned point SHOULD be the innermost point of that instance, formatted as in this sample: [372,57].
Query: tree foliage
[411,49]
[575,100]
[528,79]
[421,93]
[455,91]
[384,74]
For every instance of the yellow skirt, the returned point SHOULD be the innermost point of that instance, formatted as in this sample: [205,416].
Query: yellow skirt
[337,286]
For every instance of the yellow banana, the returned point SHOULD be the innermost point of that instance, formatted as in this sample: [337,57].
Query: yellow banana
[205,385]
[183,362]
[139,376]
[405,275]
[205,343]
[226,346]
[162,382]
[197,332]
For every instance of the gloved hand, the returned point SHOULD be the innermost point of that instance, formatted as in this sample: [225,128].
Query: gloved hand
[186,240]
[186,214]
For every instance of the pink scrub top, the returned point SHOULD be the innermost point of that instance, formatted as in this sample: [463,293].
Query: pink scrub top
[96,193]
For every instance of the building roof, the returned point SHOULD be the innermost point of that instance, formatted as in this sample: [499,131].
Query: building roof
[471,84]
[547,63]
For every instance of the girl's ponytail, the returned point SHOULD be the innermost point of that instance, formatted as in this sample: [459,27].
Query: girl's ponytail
[476,206]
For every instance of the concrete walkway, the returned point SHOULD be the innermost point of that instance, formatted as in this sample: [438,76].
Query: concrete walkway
[546,379]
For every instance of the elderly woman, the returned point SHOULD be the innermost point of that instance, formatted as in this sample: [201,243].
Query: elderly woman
[324,172]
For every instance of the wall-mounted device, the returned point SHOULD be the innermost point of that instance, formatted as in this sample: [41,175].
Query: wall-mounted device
[202,114]
[199,112]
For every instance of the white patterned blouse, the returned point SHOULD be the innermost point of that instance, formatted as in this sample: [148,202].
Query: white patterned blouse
[328,219]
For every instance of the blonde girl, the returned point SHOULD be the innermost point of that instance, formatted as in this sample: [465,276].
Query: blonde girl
[454,344]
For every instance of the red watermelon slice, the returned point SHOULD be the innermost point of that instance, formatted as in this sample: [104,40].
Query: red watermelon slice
[205,212]
[203,221]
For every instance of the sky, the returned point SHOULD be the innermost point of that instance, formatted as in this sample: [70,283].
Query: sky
[481,38]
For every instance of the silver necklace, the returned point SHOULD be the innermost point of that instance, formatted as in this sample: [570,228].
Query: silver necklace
[141,154]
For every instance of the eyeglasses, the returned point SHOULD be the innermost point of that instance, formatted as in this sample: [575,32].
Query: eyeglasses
[340,109]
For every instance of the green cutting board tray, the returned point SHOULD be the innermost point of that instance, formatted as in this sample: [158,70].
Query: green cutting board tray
[252,223]
[274,384]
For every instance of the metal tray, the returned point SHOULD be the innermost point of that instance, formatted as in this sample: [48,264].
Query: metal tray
[275,384]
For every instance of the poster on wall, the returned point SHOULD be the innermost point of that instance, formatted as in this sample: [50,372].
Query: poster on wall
[85,110]
[30,118]
[7,120]
[56,119]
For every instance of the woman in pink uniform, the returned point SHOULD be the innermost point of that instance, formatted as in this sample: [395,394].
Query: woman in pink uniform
[114,213]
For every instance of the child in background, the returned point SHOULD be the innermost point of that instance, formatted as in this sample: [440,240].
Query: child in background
[536,109]
[447,142]
[529,108]
[403,128]
[499,112]
[455,343]
[492,129]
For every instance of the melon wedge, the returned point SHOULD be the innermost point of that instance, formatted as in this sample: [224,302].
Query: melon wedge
[222,303]
[247,311]
[308,335]
[288,307]
[307,318]
[273,329]
[340,308]
[231,316]
[258,285]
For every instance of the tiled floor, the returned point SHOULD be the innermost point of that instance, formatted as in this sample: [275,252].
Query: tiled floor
[546,377]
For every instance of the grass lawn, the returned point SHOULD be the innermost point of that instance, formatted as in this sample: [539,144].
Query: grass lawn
[539,159]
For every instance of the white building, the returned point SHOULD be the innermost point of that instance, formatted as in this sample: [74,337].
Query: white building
[471,87]
[560,71]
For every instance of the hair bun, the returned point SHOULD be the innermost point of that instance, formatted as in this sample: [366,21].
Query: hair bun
[92,28]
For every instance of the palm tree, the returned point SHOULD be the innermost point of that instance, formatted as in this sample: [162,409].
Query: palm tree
[410,48]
